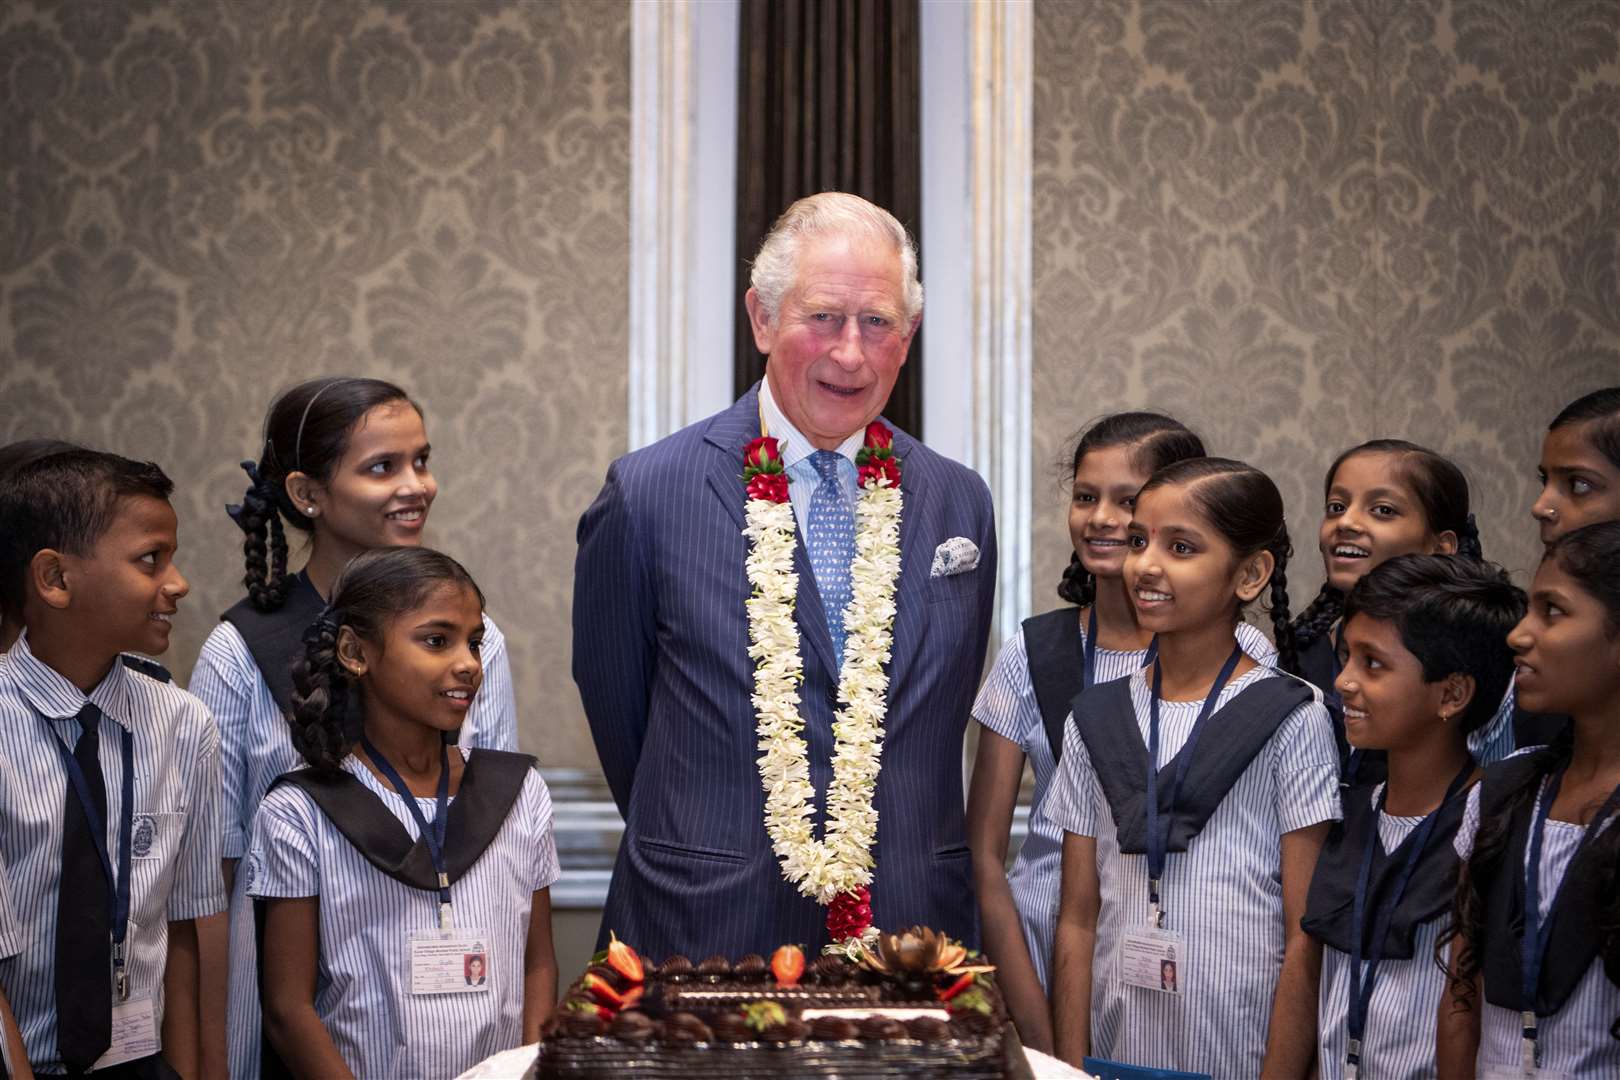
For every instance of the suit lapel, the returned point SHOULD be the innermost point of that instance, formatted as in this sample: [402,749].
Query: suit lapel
[730,433]
[912,589]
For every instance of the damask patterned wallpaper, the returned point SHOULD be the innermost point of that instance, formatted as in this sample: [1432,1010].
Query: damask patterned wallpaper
[1299,224]
[203,201]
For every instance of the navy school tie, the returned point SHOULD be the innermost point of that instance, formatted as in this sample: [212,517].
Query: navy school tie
[83,919]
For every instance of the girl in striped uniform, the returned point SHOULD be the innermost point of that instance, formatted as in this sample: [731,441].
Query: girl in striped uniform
[1580,485]
[1025,700]
[397,864]
[1534,950]
[1426,658]
[1385,498]
[344,460]
[1194,795]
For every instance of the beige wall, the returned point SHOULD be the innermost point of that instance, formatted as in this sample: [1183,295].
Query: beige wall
[1298,225]
[203,202]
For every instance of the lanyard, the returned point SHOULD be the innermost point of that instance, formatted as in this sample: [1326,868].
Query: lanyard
[117,885]
[1362,980]
[1159,839]
[432,832]
[1088,650]
[1536,933]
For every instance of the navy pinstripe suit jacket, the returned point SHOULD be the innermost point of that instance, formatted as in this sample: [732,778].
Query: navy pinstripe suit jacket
[661,660]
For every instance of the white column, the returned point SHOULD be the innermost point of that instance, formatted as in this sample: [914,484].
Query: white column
[683,133]
[977,66]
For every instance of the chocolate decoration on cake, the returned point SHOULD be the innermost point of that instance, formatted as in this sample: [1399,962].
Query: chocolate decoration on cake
[928,1029]
[714,968]
[731,1027]
[633,1025]
[581,1024]
[832,970]
[684,1027]
[752,968]
[675,968]
[882,1027]
[608,975]
[834,1028]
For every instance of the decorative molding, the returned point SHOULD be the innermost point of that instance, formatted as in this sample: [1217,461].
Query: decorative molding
[683,60]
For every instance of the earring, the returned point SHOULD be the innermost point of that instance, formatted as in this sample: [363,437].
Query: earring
[309,511]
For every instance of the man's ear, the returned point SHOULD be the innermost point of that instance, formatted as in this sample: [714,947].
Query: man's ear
[760,321]
[1456,693]
[1254,574]
[48,576]
[351,651]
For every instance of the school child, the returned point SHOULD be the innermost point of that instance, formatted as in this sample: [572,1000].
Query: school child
[345,460]
[1195,795]
[109,779]
[1426,661]
[396,857]
[1024,702]
[1534,954]
[1580,485]
[1385,498]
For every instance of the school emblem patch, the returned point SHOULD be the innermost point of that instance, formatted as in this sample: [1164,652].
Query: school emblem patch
[145,832]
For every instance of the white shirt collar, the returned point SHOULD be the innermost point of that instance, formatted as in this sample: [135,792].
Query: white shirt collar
[794,444]
[52,695]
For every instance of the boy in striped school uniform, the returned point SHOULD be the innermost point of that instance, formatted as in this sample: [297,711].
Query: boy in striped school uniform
[1427,660]
[109,779]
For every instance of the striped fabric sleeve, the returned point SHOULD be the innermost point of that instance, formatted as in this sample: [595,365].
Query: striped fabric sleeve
[199,887]
[1307,767]
[537,799]
[1006,702]
[492,720]
[1069,804]
[11,936]
[282,854]
[223,681]
[1468,827]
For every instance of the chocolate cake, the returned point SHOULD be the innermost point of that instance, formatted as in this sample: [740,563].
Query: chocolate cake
[905,1005]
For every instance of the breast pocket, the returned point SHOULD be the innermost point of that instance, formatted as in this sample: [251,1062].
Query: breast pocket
[957,588]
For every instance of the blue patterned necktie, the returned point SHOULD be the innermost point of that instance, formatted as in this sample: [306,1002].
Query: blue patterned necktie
[831,544]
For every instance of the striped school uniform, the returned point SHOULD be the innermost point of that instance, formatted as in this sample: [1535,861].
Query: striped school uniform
[1398,1038]
[175,845]
[256,748]
[363,985]
[1006,705]
[1576,1038]
[1223,894]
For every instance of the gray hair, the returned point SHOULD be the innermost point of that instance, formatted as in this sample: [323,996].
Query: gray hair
[830,213]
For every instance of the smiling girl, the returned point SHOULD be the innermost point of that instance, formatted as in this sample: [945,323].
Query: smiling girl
[395,855]
[1536,912]
[1194,796]
[1385,498]
[345,460]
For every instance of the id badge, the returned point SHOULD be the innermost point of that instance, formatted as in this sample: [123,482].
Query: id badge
[1518,1072]
[134,1033]
[1153,959]
[450,961]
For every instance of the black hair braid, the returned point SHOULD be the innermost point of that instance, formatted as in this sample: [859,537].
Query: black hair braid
[1468,906]
[321,697]
[1079,586]
[265,548]
[1281,628]
[1319,616]
[1468,540]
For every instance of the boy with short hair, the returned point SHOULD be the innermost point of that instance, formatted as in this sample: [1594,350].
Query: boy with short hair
[109,779]
[1428,662]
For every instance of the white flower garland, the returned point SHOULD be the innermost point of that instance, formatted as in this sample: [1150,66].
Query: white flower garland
[842,862]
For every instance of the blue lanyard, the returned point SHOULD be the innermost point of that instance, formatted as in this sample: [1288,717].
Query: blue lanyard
[1088,674]
[117,885]
[1537,934]
[1361,984]
[432,832]
[1158,840]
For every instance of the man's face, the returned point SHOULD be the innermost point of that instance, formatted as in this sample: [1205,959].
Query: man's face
[127,588]
[840,339]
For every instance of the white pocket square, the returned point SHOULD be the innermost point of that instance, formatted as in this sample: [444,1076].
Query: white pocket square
[957,555]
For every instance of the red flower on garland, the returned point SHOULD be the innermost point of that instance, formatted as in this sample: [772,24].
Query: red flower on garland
[876,460]
[762,471]
[849,914]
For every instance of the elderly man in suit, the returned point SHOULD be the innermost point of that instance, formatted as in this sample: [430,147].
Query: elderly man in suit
[721,759]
